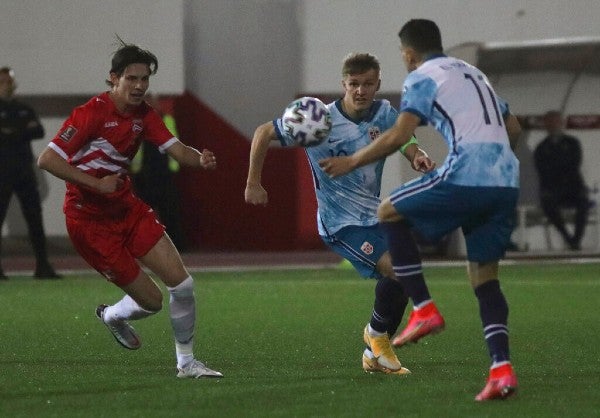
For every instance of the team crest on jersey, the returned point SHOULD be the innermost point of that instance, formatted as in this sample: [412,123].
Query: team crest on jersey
[374,132]
[68,133]
[367,248]
[137,126]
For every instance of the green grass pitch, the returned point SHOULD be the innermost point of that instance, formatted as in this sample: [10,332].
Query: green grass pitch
[289,344]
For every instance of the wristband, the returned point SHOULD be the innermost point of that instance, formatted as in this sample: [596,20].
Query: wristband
[413,140]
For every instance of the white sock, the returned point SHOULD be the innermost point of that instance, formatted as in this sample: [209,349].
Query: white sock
[125,309]
[499,364]
[422,304]
[184,353]
[182,311]
[374,333]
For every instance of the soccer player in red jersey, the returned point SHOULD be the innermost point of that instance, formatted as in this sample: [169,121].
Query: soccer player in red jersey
[111,228]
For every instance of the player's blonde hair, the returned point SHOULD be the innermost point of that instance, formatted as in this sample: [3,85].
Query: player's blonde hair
[359,63]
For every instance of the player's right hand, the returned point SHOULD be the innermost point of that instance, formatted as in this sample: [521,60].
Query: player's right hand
[421,162]
[255,194]
[208,161]
[110,183]
[336,166]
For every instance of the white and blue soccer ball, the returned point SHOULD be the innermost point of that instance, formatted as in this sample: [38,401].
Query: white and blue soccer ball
[307,120]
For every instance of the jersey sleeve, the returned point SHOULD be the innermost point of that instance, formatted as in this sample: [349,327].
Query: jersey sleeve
[156,131]
[285,139]
[74,133]
[418,97]
[504,109]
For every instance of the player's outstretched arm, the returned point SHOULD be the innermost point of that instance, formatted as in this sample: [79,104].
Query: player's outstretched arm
[389,142]
[191,157]
[255,193]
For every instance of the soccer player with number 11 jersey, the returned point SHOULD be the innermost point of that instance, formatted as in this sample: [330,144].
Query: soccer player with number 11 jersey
[476,188]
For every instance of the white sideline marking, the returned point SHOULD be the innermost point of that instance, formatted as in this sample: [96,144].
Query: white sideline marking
[426,263]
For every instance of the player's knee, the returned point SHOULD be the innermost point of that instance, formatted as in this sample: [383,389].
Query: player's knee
[386,212]
[481,273]
[384,266]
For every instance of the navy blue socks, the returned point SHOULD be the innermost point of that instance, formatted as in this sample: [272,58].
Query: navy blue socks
[389,306]
[406,260]
[493,310]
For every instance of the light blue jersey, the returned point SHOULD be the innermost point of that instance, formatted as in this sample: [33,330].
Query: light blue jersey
[458,100]
[351,199]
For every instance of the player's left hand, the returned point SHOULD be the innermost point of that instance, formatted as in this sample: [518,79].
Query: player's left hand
[208,161]
[421,162]
[336,166]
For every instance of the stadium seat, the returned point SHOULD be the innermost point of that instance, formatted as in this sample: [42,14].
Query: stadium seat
[531,216]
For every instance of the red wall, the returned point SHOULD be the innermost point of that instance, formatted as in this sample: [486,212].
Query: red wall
[215,215]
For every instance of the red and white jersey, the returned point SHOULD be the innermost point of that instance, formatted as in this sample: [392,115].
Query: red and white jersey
[98,139]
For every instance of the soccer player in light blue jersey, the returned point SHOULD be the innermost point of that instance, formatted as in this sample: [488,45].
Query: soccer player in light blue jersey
[475,189]
[347,207]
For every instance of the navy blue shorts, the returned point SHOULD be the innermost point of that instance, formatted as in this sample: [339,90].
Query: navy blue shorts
[363,246]
[485,214]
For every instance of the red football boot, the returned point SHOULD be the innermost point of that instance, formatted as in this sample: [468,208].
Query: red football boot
[422,322]
[501,384]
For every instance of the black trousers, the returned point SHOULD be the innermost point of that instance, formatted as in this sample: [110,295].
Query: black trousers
[552,203]
[23,183]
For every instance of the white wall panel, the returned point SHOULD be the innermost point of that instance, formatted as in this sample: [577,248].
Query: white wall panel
[65,46]
[246,58]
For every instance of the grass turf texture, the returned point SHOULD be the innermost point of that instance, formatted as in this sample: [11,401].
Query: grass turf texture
[289,344]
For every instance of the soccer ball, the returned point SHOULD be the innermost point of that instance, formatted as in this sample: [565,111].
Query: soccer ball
[307,120]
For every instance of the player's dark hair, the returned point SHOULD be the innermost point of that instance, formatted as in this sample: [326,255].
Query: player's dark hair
[131,54]
[359,63]
[422,35]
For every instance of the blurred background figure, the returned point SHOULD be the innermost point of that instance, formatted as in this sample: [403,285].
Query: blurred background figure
[153,178]
[19,124]
[558,161]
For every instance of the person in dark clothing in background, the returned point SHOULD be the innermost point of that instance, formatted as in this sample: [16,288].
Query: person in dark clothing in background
[558,162]
[18,126]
